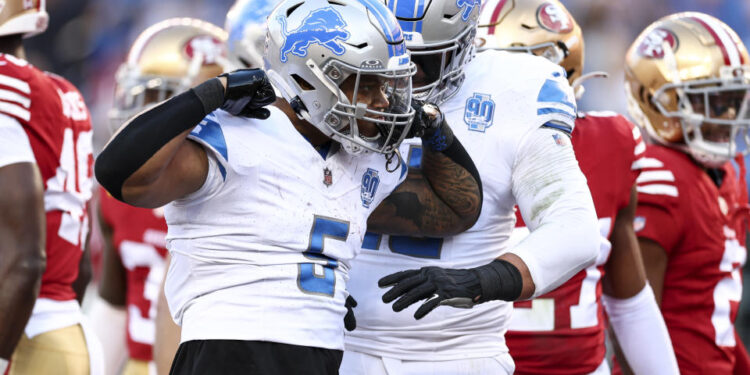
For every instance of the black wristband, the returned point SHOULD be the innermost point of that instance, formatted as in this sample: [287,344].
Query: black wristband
[211,94]
[500,280]
[440,139]
[143,136]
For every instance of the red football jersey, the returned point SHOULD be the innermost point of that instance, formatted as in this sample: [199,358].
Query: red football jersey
[139,235]
[562,332]
[702,229]
[57,124]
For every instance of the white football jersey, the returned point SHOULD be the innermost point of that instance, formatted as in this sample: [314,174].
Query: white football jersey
[500,103]
[262,250]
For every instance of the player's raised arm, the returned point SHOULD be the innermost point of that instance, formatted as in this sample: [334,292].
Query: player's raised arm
[149,162]
[442,198]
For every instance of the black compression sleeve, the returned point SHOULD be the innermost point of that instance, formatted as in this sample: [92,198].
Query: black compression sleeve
[148,132]
[456,152]
[500,280]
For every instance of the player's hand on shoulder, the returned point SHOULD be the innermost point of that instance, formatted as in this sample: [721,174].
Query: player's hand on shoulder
[429,124]
[247,92]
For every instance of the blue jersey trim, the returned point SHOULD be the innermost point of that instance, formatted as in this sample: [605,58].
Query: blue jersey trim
[558,126]
[554,92]
[548,111]
[209,131]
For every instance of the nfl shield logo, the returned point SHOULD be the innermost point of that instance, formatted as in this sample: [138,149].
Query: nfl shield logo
[370,182]
[327,177]
[479,112]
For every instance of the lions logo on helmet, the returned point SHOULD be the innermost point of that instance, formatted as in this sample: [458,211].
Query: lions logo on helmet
[323,26]
[467,7]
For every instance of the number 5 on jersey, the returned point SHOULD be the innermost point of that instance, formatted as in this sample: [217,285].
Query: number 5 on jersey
[316,278]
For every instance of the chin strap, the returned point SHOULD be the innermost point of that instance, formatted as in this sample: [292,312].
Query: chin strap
[577,85]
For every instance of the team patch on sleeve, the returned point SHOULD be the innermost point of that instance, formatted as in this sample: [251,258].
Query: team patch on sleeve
[210,134]
[556,103]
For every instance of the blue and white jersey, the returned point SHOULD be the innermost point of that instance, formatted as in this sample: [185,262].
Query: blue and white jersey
[505,99]
[262,250]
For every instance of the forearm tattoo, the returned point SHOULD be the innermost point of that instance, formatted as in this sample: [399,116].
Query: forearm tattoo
[439,200]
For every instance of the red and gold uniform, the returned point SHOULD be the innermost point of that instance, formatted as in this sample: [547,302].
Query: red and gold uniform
[47,114]
[701,226]
[562,332]
[139,235]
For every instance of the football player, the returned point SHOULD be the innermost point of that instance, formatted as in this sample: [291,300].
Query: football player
[167,58]
[563,332]
[45,186]
[245,28]
[687,79]
[514,113]
[267,206]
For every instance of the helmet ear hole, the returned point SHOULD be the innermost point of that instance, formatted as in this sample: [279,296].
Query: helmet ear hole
[303,84]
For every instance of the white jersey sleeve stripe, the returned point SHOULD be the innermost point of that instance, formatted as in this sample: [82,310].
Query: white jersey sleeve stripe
[15,83]
[15,110]
[650,176]
[646,163]
[639,148]
[15,97]
[658,189]
[14,143]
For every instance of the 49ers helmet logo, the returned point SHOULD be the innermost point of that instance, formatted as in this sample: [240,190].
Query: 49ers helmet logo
[211,48]
[653,44]
[554,18]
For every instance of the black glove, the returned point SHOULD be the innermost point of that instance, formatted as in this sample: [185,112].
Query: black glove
[462,288]
[247,92]
[350,322]
[430,125]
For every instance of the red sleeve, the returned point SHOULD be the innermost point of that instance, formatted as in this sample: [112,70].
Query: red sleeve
[636,151]
[658,215]
[658,224]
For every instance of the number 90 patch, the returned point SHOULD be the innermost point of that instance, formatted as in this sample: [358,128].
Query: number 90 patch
[479,112]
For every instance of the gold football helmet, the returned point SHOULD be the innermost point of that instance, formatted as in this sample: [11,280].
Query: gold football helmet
[26,17]
[166,59]
[687,79]
[540,27]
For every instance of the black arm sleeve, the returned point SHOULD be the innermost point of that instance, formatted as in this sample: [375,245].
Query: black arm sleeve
[456,152]
[148,132]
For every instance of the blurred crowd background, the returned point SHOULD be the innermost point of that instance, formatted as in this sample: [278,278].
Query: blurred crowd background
[88,39]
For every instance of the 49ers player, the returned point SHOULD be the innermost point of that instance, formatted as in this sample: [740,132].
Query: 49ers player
[45,177]
[167,58]
[687,78]
[563,332]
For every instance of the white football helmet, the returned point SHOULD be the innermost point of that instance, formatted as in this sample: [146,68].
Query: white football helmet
[440,36]
[246,27]
[314,47]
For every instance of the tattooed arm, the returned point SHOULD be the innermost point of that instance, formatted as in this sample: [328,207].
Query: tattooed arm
[441,199]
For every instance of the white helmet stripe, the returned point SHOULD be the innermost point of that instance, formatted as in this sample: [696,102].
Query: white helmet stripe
[729,49]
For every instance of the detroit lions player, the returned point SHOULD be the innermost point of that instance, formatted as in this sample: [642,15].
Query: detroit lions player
[264,216]
[515,114]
